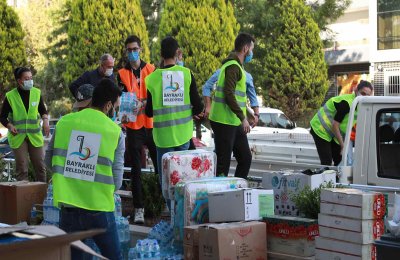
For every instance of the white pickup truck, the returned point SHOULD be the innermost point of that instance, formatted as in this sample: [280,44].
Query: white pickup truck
[376,152]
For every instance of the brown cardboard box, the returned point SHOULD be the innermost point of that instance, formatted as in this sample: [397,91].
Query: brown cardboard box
[191,235]
[17,198]
[229,241]
[48,243]
[191,252]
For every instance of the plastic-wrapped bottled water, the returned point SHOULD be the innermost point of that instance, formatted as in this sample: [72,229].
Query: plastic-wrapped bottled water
[118,206]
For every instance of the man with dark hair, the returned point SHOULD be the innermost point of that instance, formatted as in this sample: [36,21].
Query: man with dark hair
[22,109]
[93,77]
[86,157]
[329,124]
[172,99]
[228,110]
[131,78]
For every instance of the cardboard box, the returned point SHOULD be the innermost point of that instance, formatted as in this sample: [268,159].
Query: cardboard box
[369,227]
[335,249]
[286,183]
[17,199]
[229,241]
[291,235]
[351,236]
[47,243]
[191,252]
[353,203]
[240,205]
[191,235]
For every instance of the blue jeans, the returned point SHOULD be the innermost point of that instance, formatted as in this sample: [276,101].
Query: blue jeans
[77,219]
[160,153]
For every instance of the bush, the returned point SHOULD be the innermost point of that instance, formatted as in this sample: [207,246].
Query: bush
[308,200]
[153,199]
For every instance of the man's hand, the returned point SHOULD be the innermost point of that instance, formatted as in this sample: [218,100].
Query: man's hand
[199,116]
[124,119]
[246,126]
[46,127]
[12,129]
[138,107]
[255,122]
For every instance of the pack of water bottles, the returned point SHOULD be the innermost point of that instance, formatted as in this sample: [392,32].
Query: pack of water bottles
[123,235]
[145,249]
[118,206]
[51,214]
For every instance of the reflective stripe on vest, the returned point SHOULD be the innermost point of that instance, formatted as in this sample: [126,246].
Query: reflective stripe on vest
[322,122]
[26,122]
[129,80]
[98,193]
[173,125]
[220,111]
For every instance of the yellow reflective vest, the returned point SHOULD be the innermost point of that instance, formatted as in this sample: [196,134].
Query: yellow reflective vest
[96,194]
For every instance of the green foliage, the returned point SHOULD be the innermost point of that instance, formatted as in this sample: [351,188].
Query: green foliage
[205,30]
[295,69]
[308,200]
[46,44]
[151,11]
[98,27]
[12,47]
[153,200]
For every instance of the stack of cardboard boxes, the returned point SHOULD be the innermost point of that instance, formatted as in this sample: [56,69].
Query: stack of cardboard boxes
[243,238]
[349,222]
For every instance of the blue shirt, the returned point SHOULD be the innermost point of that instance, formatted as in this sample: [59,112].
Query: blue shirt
[250,90]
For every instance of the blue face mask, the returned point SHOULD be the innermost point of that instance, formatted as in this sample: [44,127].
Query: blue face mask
[248,57]
[180,63]
[133,56]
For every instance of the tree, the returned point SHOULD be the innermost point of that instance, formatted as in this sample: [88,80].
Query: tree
[12,47]
[45,54]
[151,10]
[296,73]
[205,30]
[98,27]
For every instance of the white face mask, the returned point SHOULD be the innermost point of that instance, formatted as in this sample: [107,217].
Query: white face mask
[28,84]
[108,72]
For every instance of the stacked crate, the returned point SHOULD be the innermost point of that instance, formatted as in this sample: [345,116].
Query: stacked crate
[349,222]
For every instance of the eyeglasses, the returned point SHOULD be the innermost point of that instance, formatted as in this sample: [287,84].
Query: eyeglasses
[132,49]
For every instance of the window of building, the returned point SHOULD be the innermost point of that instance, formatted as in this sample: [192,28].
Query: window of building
[388,143]
[388,24]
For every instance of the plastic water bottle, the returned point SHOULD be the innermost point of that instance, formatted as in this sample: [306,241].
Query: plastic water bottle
[156,254]
[132,254]
[118,205]
[33,220]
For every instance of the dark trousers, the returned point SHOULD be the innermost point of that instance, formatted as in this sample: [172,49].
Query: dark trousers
[228,139]
[136,140]
[327,151]
[77,219]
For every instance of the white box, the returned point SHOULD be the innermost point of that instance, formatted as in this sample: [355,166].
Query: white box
[353,203]
[240,205]
[351,236]
[286,183]
[337,247]
[368,226]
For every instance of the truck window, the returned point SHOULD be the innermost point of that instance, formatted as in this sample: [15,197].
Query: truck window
[388,143]
[265,120]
